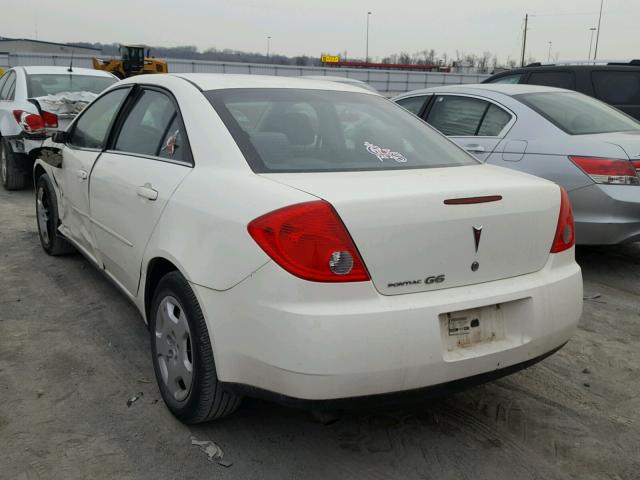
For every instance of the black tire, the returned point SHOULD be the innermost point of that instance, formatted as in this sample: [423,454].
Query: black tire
[207,399]
[13,178]
[47,219]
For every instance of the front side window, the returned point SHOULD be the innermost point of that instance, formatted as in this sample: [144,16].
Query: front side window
[617,88]
[298,130]
[457,116]
[578,114]
[508,79]
[41,85]
[91,129]
[553,79]
[152,128]
[413,104]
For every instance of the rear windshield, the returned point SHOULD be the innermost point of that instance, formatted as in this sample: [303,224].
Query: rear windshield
[578,114]
[40,85]
[299,130]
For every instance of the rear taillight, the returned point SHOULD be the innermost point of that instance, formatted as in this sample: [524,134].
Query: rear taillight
[610,171]
[310,241]
[30,122]
[50,120]
[636,165]
[565,231]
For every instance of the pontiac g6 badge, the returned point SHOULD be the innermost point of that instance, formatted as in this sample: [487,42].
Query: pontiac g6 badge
[477,233]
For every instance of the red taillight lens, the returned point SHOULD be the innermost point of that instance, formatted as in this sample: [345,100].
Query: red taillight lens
[30,122]
[636,165]
[608,170]
[565,231]
[310,241]
[50,119]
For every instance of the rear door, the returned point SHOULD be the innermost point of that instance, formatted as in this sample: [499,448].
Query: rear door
[131,183]
[619,88]
[476,124]
[86,141]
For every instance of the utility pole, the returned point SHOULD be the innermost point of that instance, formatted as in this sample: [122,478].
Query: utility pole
[524,38]
[549,55]
[268,48]
[592,29]
[366,57]
[595,53]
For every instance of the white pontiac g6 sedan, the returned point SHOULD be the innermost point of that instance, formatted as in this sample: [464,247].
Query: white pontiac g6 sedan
[308,241]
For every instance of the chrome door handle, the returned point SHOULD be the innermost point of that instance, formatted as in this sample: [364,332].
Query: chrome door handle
[82,174]
[475,148]
[145,191]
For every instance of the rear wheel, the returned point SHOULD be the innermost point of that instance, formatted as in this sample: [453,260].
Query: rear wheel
[182,355]
[48,221]
[12,177]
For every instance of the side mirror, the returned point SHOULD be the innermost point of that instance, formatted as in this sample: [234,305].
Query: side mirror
[61,136]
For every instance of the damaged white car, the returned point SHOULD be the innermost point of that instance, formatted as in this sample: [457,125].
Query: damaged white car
[35,102]
[307,241]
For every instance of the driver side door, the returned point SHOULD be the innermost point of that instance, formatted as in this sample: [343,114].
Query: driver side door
[87,139]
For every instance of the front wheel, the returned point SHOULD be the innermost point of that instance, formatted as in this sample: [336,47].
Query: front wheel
[183,357]
[48,221]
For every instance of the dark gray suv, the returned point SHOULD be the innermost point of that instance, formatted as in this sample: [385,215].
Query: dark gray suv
[615,83]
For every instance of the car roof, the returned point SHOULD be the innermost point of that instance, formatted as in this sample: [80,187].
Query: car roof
[218,81]
[65,70]
[504,89]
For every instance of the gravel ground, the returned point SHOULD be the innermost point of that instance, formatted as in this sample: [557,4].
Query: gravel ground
[73,351]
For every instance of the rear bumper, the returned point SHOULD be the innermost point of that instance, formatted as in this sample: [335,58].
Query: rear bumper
[317,341]
[22,145]
[606,214]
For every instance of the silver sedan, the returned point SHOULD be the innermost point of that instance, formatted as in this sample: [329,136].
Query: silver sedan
[583,144]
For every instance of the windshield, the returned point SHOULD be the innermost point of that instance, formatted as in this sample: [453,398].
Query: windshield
[40,85]
[578,114]
[298,130]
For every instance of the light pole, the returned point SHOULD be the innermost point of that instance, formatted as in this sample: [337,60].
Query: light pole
[592,29]
[366,57]
[595,53]
[524,38]
[549,55]
[268,48]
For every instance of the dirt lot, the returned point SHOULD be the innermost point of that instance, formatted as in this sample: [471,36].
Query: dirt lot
[72,351]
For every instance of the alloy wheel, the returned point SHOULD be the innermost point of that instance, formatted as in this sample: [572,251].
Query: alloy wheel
[42,212]
[3,164]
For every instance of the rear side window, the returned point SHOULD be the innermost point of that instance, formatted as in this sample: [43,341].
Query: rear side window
[413,104]
[3,79]
[617,88]
[457,116]
[508,79]
[8,88]
[152,128]
[578,114]
[494,121]
[308,130]
[553,79]
[91,129]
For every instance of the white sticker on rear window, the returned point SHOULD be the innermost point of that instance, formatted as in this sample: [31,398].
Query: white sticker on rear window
[384,153]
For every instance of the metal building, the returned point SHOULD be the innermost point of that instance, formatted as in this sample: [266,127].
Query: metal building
[26,45]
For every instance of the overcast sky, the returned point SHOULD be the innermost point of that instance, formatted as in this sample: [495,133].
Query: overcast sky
[334,26]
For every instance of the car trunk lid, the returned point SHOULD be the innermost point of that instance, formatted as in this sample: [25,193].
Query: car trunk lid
[412,238]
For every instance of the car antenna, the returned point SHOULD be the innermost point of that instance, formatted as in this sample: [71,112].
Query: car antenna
[70,69]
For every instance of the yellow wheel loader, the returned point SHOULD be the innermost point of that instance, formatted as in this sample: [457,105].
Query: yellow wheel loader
[132,62]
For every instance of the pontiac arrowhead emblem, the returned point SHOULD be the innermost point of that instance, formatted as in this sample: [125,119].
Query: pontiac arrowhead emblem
[477,233]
